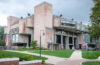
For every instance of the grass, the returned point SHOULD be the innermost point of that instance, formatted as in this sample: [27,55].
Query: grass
[26,49]
[90,54]
[91,63]
[57,53]
[22,56]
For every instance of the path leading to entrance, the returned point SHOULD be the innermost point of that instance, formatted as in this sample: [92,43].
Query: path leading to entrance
[51,59]
[73,62]
[75,59]
[76,55]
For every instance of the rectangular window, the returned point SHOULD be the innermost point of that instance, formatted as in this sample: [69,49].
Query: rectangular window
[17,37]
[14,38]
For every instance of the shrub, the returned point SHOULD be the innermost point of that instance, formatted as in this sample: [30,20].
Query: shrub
[22,56]
[2,43]
[2,56]
[43,61]
[41,48]
[26,57]
[34,44]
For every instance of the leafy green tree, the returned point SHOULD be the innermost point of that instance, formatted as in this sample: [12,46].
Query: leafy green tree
[34,44]
[95,20]
[2,42]
[1,32]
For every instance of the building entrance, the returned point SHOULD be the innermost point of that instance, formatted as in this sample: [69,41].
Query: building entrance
[64,42]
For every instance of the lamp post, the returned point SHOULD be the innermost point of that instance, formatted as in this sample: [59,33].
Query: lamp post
[40,40]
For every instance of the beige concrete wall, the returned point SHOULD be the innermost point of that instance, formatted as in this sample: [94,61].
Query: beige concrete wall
[80,39]
[22,25]
[12,19]
[49,35]
[57,22]
[42,19]
[30,22]
[23,38]
[6,30]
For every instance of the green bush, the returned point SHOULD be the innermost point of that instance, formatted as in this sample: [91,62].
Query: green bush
[34,44]
[38,48]
[2,56]
[26,57]
[43,61]
[22,56]
[2,43]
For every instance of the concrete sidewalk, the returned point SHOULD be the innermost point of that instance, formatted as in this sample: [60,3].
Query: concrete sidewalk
[75,59]
[74,62]
[76,55]
[51,59]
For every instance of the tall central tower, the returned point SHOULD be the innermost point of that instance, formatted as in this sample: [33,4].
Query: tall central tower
[43,18]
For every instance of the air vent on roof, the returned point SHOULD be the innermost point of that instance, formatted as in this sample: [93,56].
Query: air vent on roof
[28,14]
[60,15]
[21,17]
[72,19]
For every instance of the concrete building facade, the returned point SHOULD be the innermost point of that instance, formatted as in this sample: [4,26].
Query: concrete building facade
[56,32]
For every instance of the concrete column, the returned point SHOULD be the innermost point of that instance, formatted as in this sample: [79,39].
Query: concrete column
[32,35]
[27,42]
[73,40]
[67,42]
[55,38]
[77,45]
[62,41]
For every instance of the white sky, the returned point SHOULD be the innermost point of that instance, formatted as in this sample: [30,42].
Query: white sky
[78,9]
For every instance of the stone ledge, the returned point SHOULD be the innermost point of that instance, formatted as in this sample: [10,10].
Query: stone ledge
[30,62]
[8,59]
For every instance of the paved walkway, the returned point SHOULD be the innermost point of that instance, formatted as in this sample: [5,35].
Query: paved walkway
[75,59]
[51,59]
[73,62]
[76,55]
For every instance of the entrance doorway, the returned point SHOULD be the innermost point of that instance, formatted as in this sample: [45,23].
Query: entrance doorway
[58,39]
[75,41]
[70,43]
[64,42]
[29,40]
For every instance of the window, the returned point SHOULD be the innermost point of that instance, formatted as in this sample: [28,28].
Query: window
[67,23]
[14,38]
[17,36]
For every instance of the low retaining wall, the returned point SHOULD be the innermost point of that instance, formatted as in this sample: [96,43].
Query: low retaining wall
[15,61]
[35,62]
[9,61]
[2,47]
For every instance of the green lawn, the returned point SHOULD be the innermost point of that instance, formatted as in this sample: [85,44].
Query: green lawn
[58,53]
[90,54]
[26,49]
[8,54]
[91,63]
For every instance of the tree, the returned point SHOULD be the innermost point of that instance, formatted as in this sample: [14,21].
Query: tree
[2,42]
[34,44]
[95,20]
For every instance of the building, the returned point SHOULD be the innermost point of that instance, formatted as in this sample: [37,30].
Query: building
[56,32]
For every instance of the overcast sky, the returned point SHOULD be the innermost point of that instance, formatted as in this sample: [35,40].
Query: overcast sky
[80,10]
